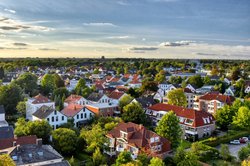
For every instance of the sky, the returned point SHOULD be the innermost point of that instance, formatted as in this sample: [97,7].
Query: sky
[200,29]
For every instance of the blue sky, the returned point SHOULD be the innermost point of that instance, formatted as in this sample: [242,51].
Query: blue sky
[125,28]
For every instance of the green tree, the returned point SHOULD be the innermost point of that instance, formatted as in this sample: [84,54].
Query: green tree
[224,152]
[207,80]
[224,117]
[155,161]
[196,81]
[28,82]
[48,83]
[21,108]
[5,160]
[58,81]
[65,140]
[125,100]
[80,86]
[1,73]
[160,77]
[149,86]
[169,128]
[143,158]
[177,97]
[41,129]
[10,95]
[244,152]
[94,138]
[98,158]
[61,91]
[183,158]
[134,113]
[123,158]
[242,118]
[235,73]
[20,127]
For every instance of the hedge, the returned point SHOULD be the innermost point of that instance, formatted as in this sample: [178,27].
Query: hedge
[215,141]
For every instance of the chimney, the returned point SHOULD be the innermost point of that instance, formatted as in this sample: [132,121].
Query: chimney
[39,141]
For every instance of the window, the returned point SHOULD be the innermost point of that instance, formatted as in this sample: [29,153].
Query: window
[55,112]
[62,117]
[48,119]
[77,117]
[85,115]
[81,115]
[52,119]
[56,126]
[123,135]
[56,118]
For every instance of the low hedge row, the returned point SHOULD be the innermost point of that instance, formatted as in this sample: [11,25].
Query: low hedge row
[215,141]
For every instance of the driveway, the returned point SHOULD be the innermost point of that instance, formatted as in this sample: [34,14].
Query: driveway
[234,149]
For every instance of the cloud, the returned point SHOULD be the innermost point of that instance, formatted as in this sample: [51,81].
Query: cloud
[141,49]
[206,54]
[8,24]
[20,44]
[12,48]
[10,11]
[123,3]
[48,49]
[100,24]
[120,37]
[177,43]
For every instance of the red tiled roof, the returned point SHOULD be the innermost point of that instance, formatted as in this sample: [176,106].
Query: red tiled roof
[196,116]
[24,140]
[40,99]
[222,98]
[135,81]
[116,95]
[99,86]
[139,137]
[72,98]
[72,109]
[126,75]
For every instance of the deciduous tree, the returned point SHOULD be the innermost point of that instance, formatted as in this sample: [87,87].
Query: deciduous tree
[177,97]
[169,128]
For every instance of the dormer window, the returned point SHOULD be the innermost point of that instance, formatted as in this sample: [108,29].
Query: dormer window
[124,135]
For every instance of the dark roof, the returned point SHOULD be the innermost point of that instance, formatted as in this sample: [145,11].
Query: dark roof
[95,97]
[6,132]
[62,163]
[146,101]
[2,111]
[43,112]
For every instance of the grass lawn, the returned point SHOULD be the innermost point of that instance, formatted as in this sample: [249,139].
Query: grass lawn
[185,144]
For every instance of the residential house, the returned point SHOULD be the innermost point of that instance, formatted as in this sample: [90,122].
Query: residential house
[144,101]
[190,97]
[116,96]
[247,87]
[53,117]
[205,89]
[104,109]
[75,99]
[211,102]
[195,124]
[24,152]
[80,114]
[230,91]
[14,141]
[137,140]
[98,98]
[33,104]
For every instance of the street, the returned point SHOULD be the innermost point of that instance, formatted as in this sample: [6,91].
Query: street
[234,149]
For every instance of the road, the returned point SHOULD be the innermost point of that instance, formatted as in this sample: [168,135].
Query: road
[234,149]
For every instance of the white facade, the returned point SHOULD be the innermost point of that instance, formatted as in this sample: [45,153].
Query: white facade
[31,108]
[83,115]
[247,90]
[55,119]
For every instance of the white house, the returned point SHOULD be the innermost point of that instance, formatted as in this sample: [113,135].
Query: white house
[230,91]
[72,84]
[116,96]
[55,118]
[76,99]
[33,104]
[79,113]
[98,98]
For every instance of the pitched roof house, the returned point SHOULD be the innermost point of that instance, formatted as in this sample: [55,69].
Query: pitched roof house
[195,124]
[136,139]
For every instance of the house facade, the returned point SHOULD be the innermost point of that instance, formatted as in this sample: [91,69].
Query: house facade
[211,102]
[33,104]
[53,117]
[136,139]
[195,124]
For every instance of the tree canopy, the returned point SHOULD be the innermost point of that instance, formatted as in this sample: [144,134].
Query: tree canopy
[168,127]
[177,97]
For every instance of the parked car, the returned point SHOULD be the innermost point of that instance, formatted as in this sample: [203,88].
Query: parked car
[245,138]
[235,142]
[242,140]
